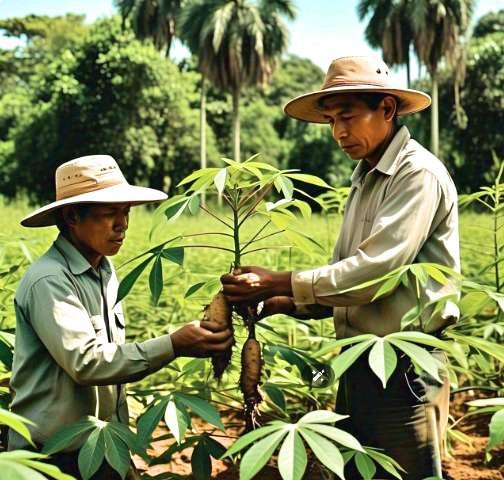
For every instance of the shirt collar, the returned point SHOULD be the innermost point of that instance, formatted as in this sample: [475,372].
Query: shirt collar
[76,261]
[388,161]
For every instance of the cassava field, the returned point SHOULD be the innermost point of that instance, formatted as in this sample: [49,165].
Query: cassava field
[284,388]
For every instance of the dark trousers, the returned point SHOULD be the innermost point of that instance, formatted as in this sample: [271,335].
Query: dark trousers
[407,420]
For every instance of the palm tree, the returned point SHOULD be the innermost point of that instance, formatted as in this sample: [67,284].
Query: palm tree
[238,43]
[389,28]
[439,29]
[153,19]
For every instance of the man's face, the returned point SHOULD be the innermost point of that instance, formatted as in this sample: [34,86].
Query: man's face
[357,129]
[103,229]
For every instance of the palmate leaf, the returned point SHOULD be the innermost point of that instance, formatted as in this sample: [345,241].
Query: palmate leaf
[346,359]
[382,360]
[325,451]
[91,454]
[203,172]
[292,459]
[220,180]
[256,457]
[336,435]
[365,466]
[251,437]
[201,408]
[129,280]
[386,462]
[491,348]
[156,280]
[321,416]
[284,185]
[200,462]
[275,394]
[64,437]
[176,419]
[117,452]
[174,254]
[149,420]
[16,423]
[496,429]
[25,465]
[419,356]
[310,179]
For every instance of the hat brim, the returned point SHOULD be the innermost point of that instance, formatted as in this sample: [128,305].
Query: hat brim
[123,193]
[305,107]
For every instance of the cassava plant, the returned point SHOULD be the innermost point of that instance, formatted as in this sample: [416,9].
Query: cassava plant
[250,190]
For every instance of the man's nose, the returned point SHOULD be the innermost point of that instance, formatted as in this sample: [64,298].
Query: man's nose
[339,131]
[122,223]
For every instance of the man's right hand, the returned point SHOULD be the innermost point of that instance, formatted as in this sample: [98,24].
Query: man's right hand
[200,339]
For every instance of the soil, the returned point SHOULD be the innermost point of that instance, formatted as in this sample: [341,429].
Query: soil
[465,461]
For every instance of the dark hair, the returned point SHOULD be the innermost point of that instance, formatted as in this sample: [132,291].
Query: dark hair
[81,209]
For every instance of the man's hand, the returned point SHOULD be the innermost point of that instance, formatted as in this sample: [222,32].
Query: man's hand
[275,306]
[200,339]
[253,284]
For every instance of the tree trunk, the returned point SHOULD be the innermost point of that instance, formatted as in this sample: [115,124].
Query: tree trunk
[236,124]
[434,116]
[408,69]
[203,158]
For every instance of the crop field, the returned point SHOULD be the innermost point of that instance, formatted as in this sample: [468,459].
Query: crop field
[288,394]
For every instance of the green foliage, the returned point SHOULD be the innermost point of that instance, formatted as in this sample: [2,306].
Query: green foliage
[110,441]
[329,444]
[110,94]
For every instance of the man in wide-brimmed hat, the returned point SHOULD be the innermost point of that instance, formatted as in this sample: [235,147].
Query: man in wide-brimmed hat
[402,209]
[70,356]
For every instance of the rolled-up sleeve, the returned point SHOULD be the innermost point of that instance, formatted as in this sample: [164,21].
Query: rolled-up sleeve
[401,225]
[65,328]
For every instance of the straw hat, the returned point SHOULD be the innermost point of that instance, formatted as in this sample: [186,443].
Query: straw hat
[355,75]
[90,179]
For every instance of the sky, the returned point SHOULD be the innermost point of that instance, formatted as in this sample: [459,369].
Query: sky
[322,31]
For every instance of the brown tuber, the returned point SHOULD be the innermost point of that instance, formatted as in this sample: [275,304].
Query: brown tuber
[219,311]
[250,378]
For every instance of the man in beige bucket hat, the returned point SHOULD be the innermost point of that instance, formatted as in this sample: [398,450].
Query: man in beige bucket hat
[70,356]
[402,209]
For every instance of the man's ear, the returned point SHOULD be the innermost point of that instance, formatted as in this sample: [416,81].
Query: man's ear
[69,215]
[389,107]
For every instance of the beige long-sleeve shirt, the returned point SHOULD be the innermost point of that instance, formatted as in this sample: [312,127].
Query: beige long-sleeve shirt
[402,211]
[69,362]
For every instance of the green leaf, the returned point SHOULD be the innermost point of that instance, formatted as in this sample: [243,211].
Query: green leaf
[284,185]
[201,408]
[303,242]
[166,456]
[116,452]
[311,179]
[6,353]
[220,180]
[275,394]
[214,448]
[491,348]
[337,435]
[292,458]
[176,419]
[487,402]
[325,451]
[12,469]
[365,466]
[149,420]
[200,462]
[422,338]
[496,429]
[346,359]
[194,204]
[156,280]
[174,254]
[436,274]
[333,345]
[257,456]
[16,423]
[91,454]
[203,172]
[193,289]
[46,468]
[321,416]
[386,462]
[123,432]
[251,437]
[419,356]
[382,360]
[387,287]
[129,280]
[64,437]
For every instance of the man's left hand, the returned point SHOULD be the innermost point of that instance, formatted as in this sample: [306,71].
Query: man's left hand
[254,284]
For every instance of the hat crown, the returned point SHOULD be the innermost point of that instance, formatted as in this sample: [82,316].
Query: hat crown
[87,174]
[354,71]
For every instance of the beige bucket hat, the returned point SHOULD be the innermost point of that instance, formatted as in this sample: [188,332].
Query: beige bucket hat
[90,179]
[355,75]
